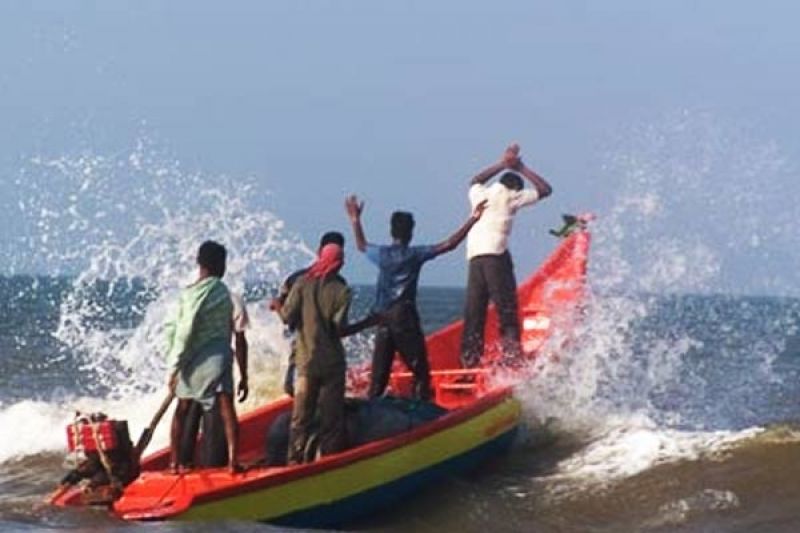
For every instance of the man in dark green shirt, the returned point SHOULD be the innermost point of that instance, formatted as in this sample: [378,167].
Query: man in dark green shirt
[331,237]
[318,304]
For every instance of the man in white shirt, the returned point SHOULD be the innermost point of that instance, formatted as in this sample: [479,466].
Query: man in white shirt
[491,271]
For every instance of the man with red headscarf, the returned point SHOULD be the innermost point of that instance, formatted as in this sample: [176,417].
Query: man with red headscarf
[318,304]
[330,237]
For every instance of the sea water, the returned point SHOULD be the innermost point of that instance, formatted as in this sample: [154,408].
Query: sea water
[675,405]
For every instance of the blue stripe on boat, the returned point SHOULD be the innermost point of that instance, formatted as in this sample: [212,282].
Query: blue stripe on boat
[339,513]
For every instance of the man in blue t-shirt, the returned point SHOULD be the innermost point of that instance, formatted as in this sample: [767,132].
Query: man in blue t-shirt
[396,296]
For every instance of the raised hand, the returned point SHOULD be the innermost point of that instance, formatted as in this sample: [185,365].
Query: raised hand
[479,209]
[243,390]
[353,207]
[275,304]
[511,157]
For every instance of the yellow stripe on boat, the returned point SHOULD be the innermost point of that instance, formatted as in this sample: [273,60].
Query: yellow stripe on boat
[340,483]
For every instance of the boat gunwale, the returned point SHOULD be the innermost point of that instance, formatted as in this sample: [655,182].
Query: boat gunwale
[267,477]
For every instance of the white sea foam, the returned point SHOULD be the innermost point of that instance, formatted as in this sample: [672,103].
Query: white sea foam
[680,511]
[33,427]
[131,224]
[628,445]
[632,386]
[609,387]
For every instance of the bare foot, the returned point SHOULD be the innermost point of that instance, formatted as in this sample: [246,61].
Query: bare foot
[179,470]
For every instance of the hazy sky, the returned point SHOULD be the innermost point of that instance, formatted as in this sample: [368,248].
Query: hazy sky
[399,101]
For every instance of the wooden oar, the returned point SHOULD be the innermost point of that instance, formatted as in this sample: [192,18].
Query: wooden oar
[147,434]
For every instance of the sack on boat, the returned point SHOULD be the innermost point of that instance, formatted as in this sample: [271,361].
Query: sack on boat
[365,421]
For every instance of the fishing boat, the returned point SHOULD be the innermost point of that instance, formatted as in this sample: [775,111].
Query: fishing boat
[478,418]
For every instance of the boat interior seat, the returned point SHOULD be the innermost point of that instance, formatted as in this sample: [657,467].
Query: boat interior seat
[451,388]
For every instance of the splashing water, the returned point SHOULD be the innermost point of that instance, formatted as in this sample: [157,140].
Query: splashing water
[130,225]
[655,372]
[630,387]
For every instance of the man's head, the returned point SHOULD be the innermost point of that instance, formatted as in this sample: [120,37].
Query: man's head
[329,261]
[402,226]
[331,237]
[211,257]
[512,181]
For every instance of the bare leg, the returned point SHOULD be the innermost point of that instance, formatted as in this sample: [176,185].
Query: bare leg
[176,432]
[228,413]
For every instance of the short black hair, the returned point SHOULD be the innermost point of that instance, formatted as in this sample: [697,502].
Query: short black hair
[512,181]
[331,237]
[212,255]
[402,226]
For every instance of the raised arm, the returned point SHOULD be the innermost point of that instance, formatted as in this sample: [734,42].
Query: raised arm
[487,173]
[354,209]
[539,183]
[510,159]
[340,319]
[452,242]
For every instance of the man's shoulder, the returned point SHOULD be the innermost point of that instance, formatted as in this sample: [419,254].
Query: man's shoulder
[400,250]
[424,251]
[387,254]
[220,287]
[292,278]
[498,188]
[300,283]
[336,288]
[505,198]
[236,298]
[524,197]
[378,248]
[337,283]
[421,247]
[477,192]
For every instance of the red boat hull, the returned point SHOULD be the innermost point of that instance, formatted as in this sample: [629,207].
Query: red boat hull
[481,421]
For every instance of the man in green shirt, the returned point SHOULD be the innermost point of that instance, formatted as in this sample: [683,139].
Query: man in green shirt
[199,353]
[318,304]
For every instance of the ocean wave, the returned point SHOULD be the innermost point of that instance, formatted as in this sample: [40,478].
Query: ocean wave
[625,447]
